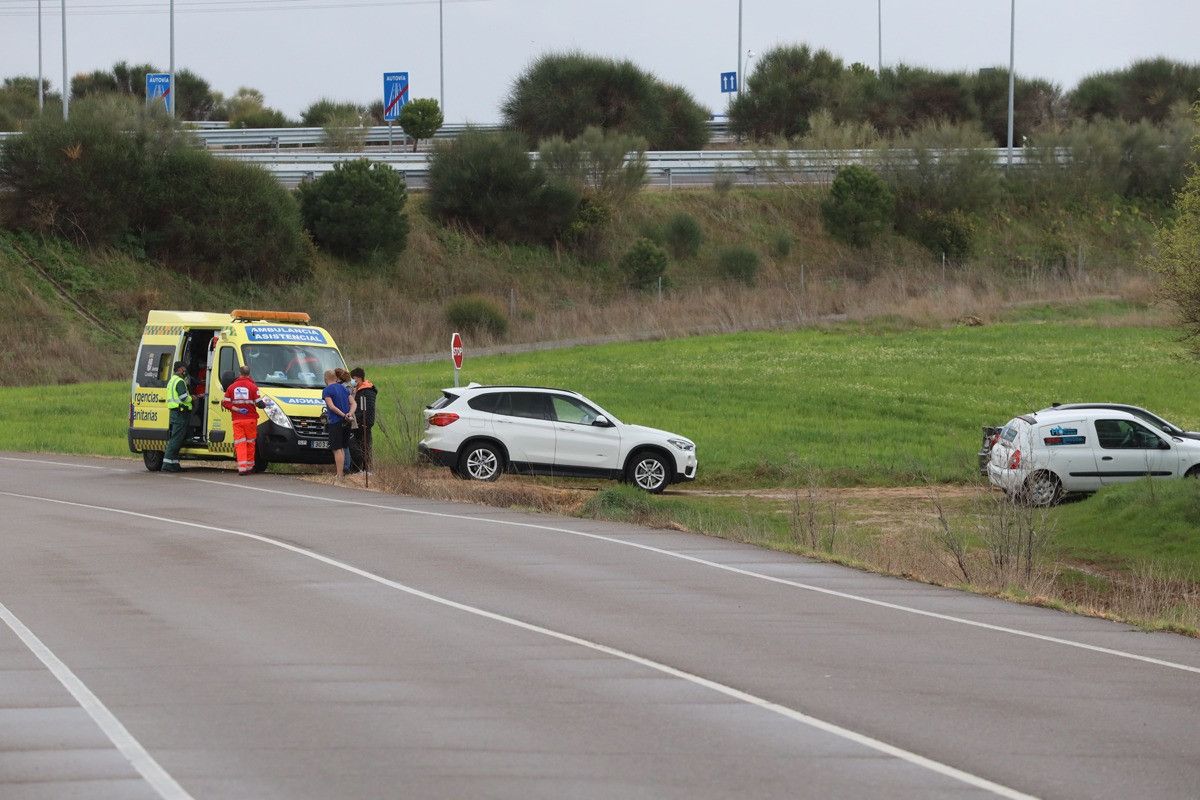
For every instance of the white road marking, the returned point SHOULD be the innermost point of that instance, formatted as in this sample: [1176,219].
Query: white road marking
[736,570]
[736,694]
[61,464]
[122,739]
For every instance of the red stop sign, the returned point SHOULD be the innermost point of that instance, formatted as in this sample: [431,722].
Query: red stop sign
[456,350]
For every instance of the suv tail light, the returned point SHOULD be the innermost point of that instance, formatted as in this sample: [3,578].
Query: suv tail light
[443,418]
[1014,461]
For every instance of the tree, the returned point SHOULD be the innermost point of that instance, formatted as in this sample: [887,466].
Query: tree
[563,94]
[787,86]
[357,210]
[1146,89]
[421,119]
[1178,256]
[859,206]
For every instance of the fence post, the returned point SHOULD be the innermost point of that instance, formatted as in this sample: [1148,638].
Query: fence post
[943,269]
[670,184]
[512,302]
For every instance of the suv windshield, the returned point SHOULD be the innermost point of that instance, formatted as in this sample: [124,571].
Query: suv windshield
[295,366]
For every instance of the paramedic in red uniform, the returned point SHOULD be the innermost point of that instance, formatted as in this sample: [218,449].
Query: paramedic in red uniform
[241,399]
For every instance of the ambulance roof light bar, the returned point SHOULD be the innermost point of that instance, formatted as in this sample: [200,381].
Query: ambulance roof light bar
[244,315]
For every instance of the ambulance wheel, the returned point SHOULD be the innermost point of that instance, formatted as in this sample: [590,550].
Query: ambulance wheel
[153,459]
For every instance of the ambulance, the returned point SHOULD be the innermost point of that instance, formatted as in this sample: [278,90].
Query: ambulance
[287,358]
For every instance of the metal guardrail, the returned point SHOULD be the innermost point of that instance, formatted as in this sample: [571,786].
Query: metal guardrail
[664,168]
[220,135]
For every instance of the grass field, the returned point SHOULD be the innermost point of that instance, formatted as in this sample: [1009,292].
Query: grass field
[847,406]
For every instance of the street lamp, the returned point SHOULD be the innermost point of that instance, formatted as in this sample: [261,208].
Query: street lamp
[441,61]
[740,77]
[41,99]
[66,85]
[879,12]
[171,98]
[1012,39]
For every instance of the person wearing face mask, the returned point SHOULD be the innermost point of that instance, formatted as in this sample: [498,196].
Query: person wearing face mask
[365,394]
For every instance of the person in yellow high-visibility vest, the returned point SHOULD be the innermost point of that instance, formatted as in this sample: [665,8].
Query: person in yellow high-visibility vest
[180,404]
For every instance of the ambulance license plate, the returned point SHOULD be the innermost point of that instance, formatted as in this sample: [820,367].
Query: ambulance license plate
[316,445]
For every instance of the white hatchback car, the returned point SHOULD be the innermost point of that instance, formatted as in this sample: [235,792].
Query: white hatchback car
[1040,457]
[481,431]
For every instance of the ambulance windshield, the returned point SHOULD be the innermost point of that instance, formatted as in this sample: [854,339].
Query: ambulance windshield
[295,366]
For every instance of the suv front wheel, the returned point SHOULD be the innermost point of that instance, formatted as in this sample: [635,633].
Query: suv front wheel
[649,471]
[480,461]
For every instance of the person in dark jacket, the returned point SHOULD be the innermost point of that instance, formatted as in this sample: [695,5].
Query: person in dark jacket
[366,394]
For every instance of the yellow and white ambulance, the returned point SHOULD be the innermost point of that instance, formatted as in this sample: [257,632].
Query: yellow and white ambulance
[287,358]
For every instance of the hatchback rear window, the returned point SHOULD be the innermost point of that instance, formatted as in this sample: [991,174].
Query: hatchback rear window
[1009,434]
[446,399]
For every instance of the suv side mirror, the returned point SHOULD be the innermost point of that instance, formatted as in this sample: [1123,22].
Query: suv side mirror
[601,422]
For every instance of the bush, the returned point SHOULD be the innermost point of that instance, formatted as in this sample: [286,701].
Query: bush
[644,264]
[683,235]
[859,206]
[597,164]
[942,167]
[357,210]
[1178,258]
[487,182]
[475,314]
[787,86]
[781,244]
[565,94]
[421,119]
[346,132]
[325,111]
[1145,90]
[949,232]
[119,174]
[738,263]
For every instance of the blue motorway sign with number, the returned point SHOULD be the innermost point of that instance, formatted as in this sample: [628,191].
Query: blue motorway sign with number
[158,89]
[728,82]
[395,94]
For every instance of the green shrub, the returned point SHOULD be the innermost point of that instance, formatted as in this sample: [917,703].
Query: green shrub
[357,210]
[644,263]
[596,163]
[421,119]
[586,233]
[475,314]
[487,182]
[738,263]
[787,86]
[119,174]
[325,110]
[859,206]
[949,232]
[565,94]
[346,132]
[781,244]
[683,235]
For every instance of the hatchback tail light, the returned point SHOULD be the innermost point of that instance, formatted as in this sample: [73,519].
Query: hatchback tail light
[1014,461]
[443,418]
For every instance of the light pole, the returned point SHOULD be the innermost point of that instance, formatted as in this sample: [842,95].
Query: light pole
[66,85]
[1012,49]
[441,59]
[171,87]
[41,93]
[740,77]
[879,26]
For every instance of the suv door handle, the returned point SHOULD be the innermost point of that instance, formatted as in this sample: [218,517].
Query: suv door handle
[1106,458]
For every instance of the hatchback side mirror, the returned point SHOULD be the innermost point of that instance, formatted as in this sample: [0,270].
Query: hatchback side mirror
[601,422]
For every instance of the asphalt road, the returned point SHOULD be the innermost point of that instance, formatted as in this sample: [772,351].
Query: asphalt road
[210,636]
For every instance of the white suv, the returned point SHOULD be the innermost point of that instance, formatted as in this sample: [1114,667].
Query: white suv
[1040,457]
[482,431]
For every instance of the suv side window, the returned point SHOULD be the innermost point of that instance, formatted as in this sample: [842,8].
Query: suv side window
[532,405]
[1123,434]
[568,409]
[485,402]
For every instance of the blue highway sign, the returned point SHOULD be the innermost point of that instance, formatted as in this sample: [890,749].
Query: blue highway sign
[728,82]
[158,89]
[395,94]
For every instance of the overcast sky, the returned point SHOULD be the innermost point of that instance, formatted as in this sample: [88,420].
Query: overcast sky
[295,51]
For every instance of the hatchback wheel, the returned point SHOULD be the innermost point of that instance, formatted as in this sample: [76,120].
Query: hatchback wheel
[1042,489]
[648,471]
[480,462]
[153,459]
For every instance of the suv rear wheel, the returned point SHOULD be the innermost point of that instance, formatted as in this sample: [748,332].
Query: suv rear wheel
[480,461]
[1042,489]
[648,470]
